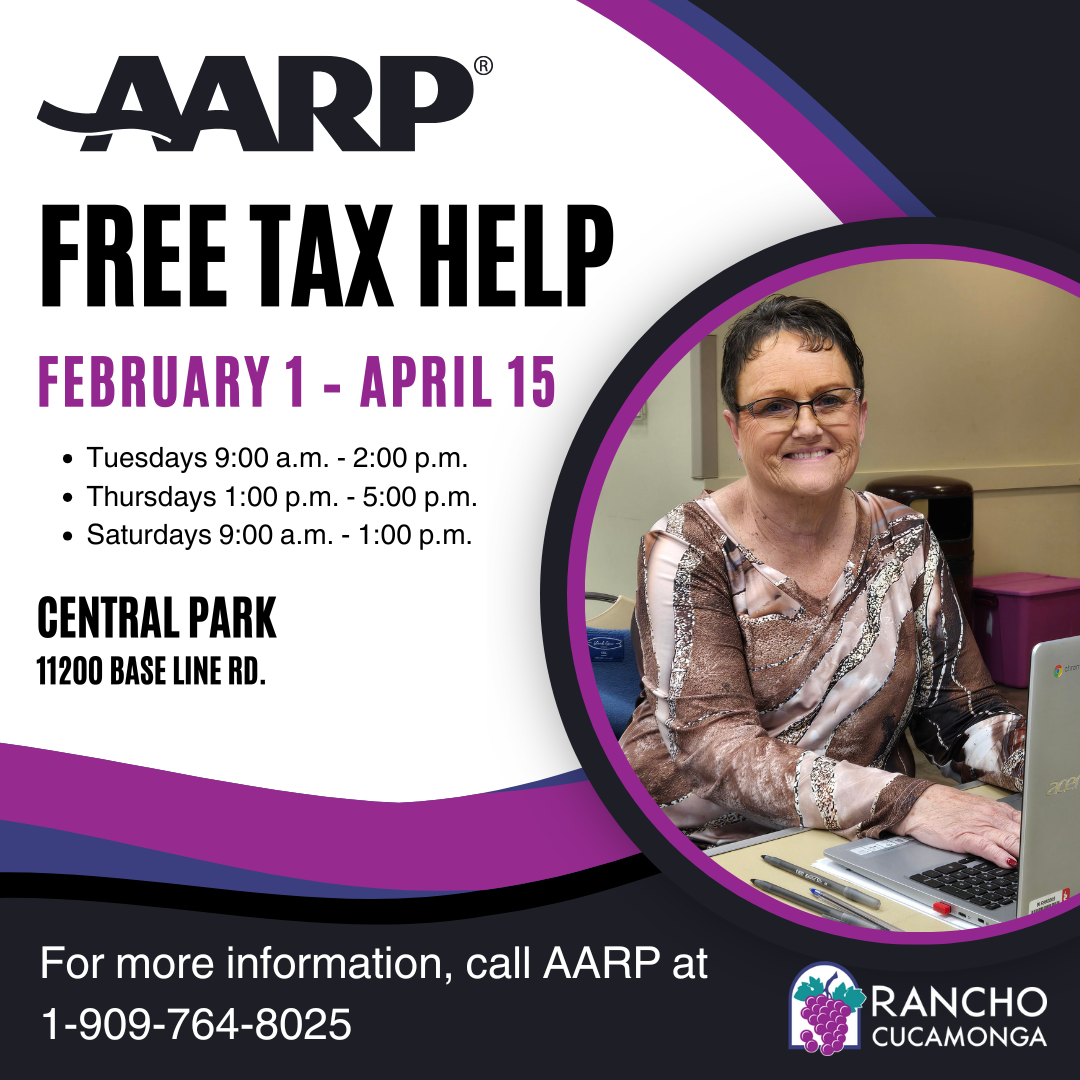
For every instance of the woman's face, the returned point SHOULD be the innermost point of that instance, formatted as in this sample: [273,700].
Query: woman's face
[808,459]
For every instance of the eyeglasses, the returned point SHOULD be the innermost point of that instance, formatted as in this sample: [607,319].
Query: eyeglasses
[831,409]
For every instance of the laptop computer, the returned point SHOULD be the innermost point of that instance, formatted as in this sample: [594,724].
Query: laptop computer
[1049,871]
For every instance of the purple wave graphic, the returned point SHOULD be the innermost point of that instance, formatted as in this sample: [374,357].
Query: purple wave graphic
[844,188]
[31,849]
[796,96]
[442,845]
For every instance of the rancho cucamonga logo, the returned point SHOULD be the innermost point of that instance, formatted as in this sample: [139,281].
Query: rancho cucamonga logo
[823,1010]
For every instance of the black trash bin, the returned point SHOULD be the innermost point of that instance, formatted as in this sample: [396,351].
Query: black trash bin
[950,509]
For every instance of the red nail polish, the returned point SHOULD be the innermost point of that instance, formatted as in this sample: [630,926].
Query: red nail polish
[1011,862]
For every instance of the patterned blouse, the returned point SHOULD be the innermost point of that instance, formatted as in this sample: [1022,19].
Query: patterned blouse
[765,707]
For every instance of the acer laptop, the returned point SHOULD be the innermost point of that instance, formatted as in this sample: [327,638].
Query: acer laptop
[1049,870]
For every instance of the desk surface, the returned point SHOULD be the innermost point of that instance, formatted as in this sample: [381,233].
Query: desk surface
[804,848]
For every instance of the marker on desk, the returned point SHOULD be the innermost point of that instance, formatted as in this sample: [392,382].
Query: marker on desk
[844,906]
[814,905]
[817,879]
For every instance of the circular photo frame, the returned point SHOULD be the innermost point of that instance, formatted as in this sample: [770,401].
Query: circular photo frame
[621,403]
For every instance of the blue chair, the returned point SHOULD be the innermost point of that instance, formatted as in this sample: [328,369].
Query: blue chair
[615,670]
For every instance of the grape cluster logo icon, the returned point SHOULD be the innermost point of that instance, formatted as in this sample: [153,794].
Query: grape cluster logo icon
[823,1010]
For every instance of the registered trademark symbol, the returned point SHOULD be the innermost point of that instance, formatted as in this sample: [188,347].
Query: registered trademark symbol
[482,65]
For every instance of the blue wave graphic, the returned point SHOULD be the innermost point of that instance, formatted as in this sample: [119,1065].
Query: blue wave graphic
[33,849]
[573,777]
[798,98]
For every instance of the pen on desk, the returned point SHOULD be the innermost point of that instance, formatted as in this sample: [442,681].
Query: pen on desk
[844,906]
[814,905]
[818,879]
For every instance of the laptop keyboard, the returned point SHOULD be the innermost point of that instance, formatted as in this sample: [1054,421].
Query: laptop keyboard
[973,880]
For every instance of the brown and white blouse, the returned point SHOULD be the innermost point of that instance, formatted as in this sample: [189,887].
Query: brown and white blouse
[765,707]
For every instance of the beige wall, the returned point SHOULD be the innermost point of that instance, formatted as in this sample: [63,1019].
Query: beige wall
[971,371]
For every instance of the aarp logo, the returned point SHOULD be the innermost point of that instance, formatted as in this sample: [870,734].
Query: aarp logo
[230,78]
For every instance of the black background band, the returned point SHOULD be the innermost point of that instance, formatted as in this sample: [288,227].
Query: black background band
[972,108]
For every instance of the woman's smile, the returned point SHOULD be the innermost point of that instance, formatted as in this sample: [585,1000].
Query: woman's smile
[808,455]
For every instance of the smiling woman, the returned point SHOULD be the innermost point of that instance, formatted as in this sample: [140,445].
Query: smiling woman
[792,629]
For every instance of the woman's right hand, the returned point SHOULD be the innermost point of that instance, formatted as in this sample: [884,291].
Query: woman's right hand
[958,821]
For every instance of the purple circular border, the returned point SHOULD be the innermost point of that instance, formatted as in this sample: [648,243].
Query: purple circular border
[580,543]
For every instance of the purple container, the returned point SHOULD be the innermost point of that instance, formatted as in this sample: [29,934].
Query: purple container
[1014,612]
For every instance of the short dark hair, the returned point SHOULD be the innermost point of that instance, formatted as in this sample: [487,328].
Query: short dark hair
[819,326]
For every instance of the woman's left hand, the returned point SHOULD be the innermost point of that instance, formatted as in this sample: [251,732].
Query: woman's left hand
[959,821]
